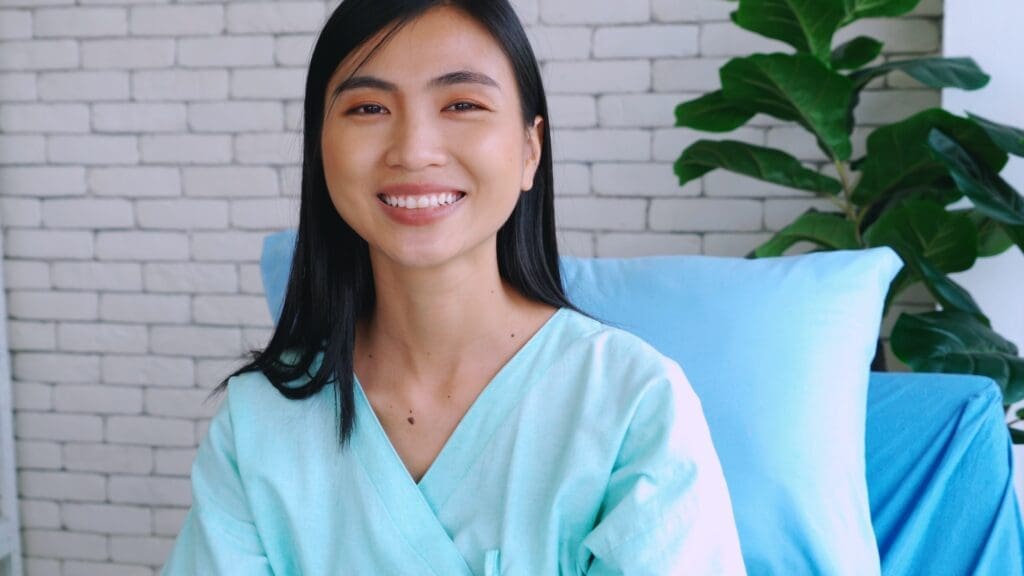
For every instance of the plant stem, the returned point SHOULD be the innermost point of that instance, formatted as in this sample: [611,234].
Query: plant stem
[846,205]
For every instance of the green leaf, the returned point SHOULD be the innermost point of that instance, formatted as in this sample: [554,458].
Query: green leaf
[1017,435]
[855,53]
[807,25]
[1006,137]
[828,230]
[898,155]
[857,9]
[992,195]
[946,239]
[993,239]
[758,162]
[932,72]
[953,342]
[712,113]
[948,293]
[1016,233]
[794,87]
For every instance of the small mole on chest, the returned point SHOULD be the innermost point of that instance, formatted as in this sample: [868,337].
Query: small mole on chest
[410,419]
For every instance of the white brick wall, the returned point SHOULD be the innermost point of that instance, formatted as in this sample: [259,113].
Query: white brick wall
[147,146]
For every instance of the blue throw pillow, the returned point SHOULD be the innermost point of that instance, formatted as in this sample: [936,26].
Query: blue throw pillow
[779,352]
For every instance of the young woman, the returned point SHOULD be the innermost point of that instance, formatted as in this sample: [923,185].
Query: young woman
[430,403]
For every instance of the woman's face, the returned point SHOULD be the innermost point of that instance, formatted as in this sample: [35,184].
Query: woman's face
[425,150]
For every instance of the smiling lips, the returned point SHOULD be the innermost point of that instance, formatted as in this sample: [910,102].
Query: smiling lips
[418,204]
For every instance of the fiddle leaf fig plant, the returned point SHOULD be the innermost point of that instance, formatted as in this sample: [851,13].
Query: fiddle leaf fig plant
[905,192]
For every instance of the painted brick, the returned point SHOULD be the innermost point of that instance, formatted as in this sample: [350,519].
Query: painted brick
[779,213]
[689,74]
[39,514]
[256,338]
[884,107]
[572,111]
[140,549]
[37,455]
[139,117]
[231,310]
[186,148]
[32,396]
[108,458]
[276,18]
[180,403]
[200,341]
[180,85]
[600,214]
[602,145]
[107,518]
[48,244]
[236,116]
[105,337]
[572,179]
[84,568]
[211,371]
[129,54]
[20,212]
[70,545]
[691,10]
[645,41]
[588,12]
[18,87]
[632,245]
[226,51]
[589,77]
[293,112]
[273,213]
[176,20]
[728,39]
[560,42]
[144,308]
[900,35]
[39,55]
[88,213]
[227,246]
[42,566]
[704,214]
[577,244]
[39,305]
[273,148]
[638,110]
[26,274]
[84,86]
[150,490]
[22,149]
[250,280]
[59,427]
[669,143]
[142,246]
[15,24]
[643,179]
[54,118]
[93,149]
[135,182]
[732,245]
[268,83]
[31,336]
[63,368]
[79,22]
[293,50]
[149,431]
[182,214]
[721,183]
[168,521]
[527,10]
[230,181]
[148,371]
[191,277]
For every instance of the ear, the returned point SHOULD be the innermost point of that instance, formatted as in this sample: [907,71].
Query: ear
[531,152]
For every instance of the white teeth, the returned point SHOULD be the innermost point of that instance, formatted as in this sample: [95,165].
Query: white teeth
[416,202]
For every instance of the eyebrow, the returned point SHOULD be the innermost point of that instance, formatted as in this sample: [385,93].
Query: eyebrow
[449,79]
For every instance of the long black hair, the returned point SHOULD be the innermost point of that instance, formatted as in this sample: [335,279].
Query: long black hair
[330,286]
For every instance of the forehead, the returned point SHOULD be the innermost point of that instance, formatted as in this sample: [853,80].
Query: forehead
[439,41]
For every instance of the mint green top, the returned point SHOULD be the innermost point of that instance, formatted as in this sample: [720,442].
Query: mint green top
[588,453]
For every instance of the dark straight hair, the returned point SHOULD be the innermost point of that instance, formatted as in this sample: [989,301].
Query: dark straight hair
[330,285]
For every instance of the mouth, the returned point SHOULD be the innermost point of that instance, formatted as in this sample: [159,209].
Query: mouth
[421,201]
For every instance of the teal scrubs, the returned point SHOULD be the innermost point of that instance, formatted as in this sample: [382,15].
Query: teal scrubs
[588,453]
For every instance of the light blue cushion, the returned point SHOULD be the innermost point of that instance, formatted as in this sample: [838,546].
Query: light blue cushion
[778,351]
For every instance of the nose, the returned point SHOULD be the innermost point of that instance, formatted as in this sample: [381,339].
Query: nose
[417,142]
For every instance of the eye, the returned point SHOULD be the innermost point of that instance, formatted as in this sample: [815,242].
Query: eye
[464,106]
[366,110]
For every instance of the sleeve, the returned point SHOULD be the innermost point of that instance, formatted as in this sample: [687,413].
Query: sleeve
[218,536]
[667,509]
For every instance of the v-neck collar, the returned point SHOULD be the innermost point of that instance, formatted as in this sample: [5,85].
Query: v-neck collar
[467,441]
